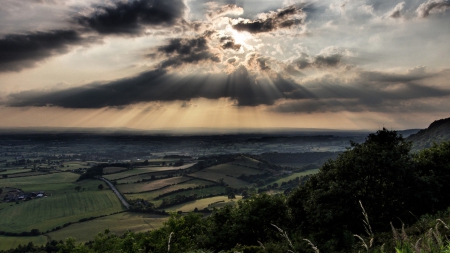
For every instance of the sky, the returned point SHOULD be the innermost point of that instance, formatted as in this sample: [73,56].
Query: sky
[229,64]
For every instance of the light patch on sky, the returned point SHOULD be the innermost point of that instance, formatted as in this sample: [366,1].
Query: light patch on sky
[151,64]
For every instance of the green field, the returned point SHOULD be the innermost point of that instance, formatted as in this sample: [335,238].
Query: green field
[50,212]
[14,171]
[150,185]
[140,170]
[294,175]
[27,174]
[233,170]
[117,223]
[134,179]
[110,170]
[10,242]
[215,175]
[243,160]
[55,183]
[202,203]
[151,195]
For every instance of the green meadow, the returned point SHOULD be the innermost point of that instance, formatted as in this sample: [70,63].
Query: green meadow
[53,211]
[217,202]
[151,185]
[9,242]
[117,223]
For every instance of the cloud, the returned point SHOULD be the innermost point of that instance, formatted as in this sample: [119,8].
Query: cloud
[432,6]
[19,51]
[330,57]
[132,17]
[185,50]
[283,18]
[367,91]
[224,10]
[229,43]
[396,12]
[159,85]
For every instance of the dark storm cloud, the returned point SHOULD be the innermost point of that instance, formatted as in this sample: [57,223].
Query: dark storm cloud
[19,51]
[432,5]
[182,51]
[229,43]
[184,46]
[132,17]
[370,91]
[283,18]
[159,85]
[319,61]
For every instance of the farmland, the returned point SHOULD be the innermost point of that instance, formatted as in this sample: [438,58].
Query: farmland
[152,185]
[212,202]
[117,223]
[8,242]
[142,173]
[47,213]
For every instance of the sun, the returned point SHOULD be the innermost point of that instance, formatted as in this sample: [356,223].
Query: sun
[239,37]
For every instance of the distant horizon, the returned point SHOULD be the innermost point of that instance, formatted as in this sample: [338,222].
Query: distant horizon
[192,130]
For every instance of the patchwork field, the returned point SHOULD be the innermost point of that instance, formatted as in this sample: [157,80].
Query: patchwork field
[10,242]
[110,170]
[14,171]
[217,202]
[149,196]
[134,179]
[233,169]
[140,170]
[54,183]
[294,175]
[151,185]
[117,223]
[50,212]
[27,174]
[216,175]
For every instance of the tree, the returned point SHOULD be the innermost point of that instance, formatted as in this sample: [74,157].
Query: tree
[231,195]
[378,172]
[433,168]
[100,186]
[78,188]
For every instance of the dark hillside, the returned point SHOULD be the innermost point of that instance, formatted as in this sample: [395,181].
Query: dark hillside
[437,132]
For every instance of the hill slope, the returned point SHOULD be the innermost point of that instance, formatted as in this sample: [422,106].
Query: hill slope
[437,132]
